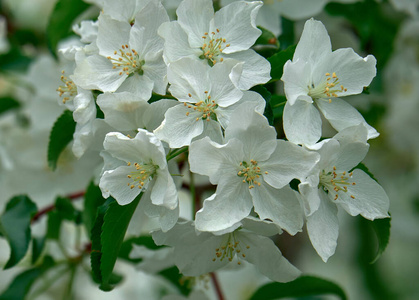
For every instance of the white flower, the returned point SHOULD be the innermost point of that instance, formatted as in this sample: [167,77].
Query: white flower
[330,184]
[213,38]
[129,57]
[130,166]
[315,79]
[252,169]
[207,95]
[197,253]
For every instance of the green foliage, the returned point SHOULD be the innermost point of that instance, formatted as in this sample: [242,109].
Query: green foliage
[38,244]
[278,61]
[261,90]
[267,44]
[15,226]
[92,200]
[8,103]
[63,210]
[364,168]
[287,37]
[107,236]
[183,284]
[301,287]
[61,20]
[375,23]
[14,60]
[22,283]
[277,104]
[61,134]
[382,230]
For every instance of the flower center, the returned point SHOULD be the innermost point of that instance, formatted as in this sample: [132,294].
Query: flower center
[142,174]
[213,46]
[229,247]
[127,60]
[69,89]
[327,89]
[333,182]
[250,173]
[207,107]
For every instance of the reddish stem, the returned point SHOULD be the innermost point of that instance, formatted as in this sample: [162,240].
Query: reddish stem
[217,286]
[51,207]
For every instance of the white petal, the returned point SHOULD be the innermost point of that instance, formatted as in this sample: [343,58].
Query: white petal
[154,115]
[296,78]
[267,258]
[194,16]
[115,182]
[164,190]
[302,123]
[137,84]
[155,69]
[323,228]
[211,159]
[112,34]
[252,128]
[96,73]
[287,162]
[236,23]
[310,197]
[279,206]
[342,115]
[231,203]
[254,99]
[353,71]
[178,129]
[314,42]
[370,200]
[176,43]
[123,111]
[256,69]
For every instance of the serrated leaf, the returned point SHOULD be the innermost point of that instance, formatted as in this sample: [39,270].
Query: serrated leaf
[382,230]
[92,200]
[61,20]
[22,283]
[278,61]
[301,287]
[115,225]
[15,224]
[61,134]
[96,253]
[8,103]
[261,90]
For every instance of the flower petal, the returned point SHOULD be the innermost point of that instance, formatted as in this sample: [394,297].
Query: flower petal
[323,228]
[302,123]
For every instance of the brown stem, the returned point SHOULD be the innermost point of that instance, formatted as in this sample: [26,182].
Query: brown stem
[51,207]
[217,286]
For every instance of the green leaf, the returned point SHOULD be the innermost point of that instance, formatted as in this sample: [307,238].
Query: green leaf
[382,230]
[92,200]
[375,24]
[261,90]
[65,209]
[61,134]
[53,225]
[301,287]
[106,242]
[38,244]
[287,37]
[61,20]
[14,61]
[15,224]
[278,61]
[267,44]
[8,103]
[22,283]
[277,104]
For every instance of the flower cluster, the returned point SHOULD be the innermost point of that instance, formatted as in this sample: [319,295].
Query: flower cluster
[204,62]
[170,103]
